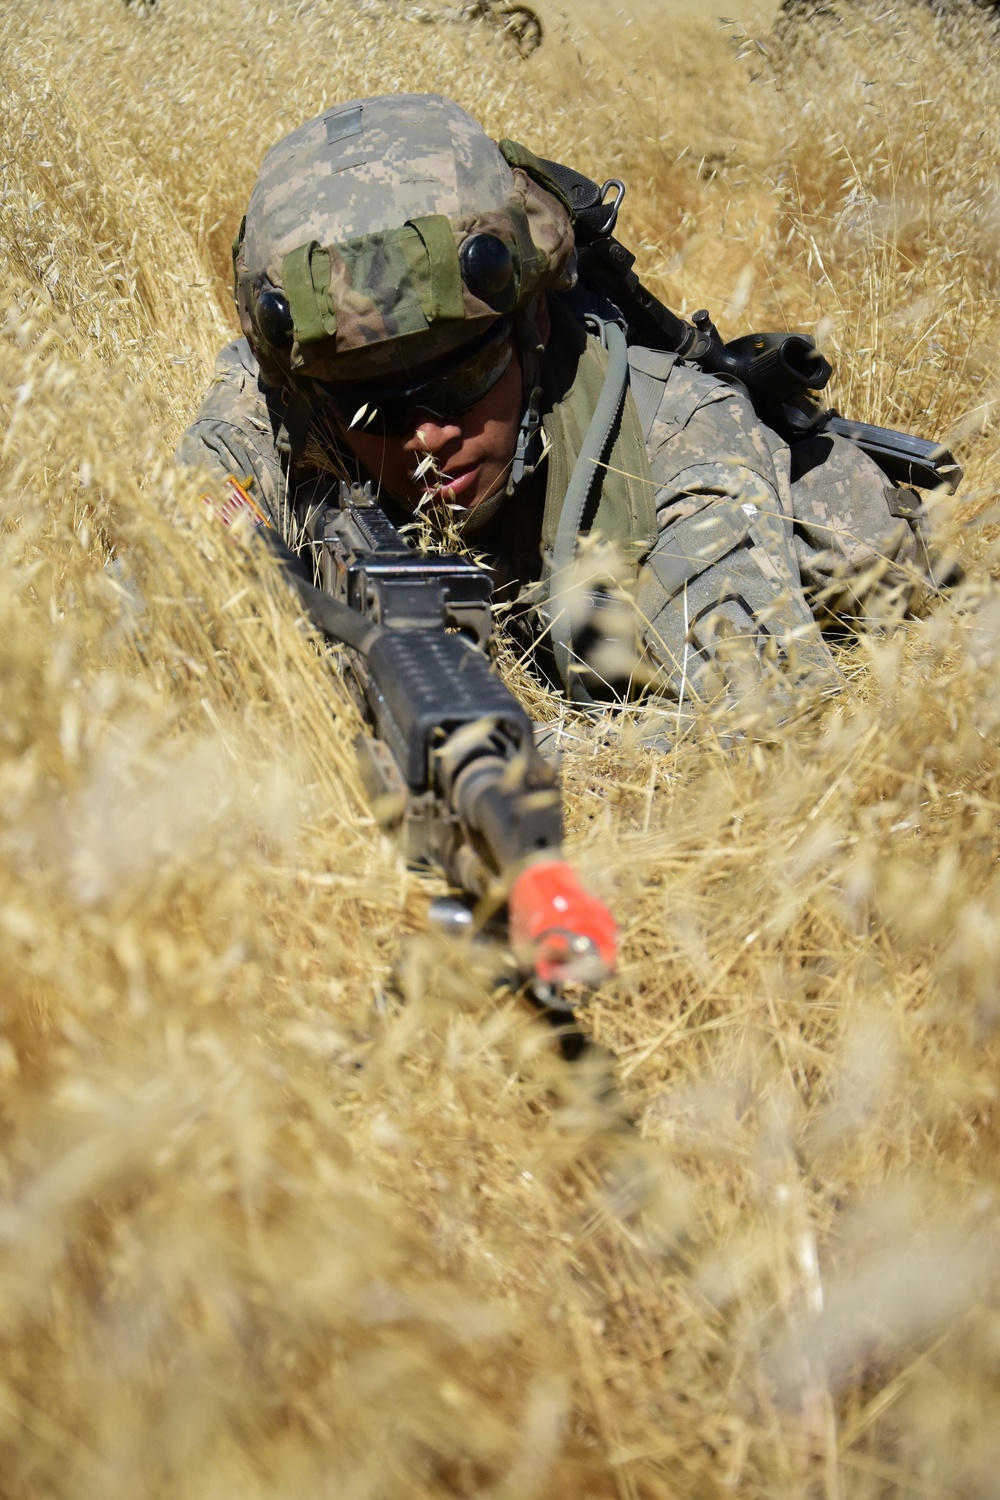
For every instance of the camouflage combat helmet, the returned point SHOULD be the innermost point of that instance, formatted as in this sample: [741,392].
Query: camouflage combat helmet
[388,233]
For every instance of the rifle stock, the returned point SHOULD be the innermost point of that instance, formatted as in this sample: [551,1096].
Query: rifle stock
[780,372]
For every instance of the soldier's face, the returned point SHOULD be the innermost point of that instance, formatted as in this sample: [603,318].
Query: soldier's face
[470,455]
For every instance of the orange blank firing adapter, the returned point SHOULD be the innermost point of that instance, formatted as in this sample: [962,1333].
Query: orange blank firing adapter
[557,929]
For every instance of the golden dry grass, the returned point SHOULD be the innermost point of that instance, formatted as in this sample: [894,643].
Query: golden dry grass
[268,1229]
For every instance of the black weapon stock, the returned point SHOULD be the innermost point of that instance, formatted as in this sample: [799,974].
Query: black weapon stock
[779,371]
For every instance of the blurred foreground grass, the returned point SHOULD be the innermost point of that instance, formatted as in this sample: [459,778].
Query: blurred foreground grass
[264,1229]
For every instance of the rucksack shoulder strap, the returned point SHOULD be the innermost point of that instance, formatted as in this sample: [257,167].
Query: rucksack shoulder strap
[649,371]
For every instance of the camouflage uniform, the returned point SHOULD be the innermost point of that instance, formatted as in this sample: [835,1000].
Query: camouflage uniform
[729,537]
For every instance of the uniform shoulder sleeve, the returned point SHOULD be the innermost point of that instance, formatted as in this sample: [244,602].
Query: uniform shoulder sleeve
[649,370]
[235,430]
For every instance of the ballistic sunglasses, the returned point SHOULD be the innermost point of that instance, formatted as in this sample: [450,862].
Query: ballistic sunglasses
[445,390]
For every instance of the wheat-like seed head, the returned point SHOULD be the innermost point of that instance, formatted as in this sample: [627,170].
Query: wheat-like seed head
[290,1204]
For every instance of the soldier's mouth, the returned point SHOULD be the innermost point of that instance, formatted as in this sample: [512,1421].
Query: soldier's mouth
[454,484]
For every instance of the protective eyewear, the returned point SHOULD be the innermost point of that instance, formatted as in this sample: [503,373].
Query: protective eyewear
[393,409]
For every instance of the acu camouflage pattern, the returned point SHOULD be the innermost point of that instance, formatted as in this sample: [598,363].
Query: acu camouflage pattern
[721,591]
[729,538]
[760,542]
[358,217]
[863,545]
[741,543]
[239,431]
[700,524]
[734,543]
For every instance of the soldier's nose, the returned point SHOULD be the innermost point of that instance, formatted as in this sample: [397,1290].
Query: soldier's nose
[431,436]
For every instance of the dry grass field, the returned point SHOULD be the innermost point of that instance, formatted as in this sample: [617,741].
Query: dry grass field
[289,1205]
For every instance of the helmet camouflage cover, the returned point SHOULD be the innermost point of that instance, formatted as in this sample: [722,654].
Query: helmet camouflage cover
[350,262]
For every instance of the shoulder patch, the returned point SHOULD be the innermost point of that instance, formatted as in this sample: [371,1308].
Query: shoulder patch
[235,508]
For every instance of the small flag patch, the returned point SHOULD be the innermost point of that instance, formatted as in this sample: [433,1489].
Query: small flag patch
[235,503]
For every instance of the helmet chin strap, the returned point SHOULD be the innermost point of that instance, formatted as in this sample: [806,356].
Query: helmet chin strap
[528,450]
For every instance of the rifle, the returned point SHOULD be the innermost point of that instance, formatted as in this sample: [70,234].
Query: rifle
[780,372]
[451,763]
